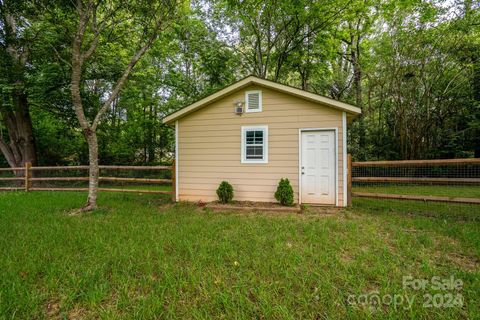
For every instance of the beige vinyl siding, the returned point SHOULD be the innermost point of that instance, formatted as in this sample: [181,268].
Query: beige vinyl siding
[209,142]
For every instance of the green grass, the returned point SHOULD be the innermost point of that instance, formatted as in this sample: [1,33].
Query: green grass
[139,258]
[429,190]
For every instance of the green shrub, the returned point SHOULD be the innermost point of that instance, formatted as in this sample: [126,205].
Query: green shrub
[225,192]
[284,193]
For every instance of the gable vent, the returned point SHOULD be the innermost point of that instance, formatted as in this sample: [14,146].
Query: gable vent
[254,101]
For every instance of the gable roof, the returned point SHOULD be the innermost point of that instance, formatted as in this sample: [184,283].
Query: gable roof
[350,109]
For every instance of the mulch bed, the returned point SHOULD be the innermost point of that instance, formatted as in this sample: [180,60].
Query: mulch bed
[252,206]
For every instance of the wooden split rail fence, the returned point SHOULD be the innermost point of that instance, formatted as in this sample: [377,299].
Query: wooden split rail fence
[442,174]
[380,174]
[26,176]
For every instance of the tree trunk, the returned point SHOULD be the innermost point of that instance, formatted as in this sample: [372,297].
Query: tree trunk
[151,135]
[357,82]
[21,145]
[92,141]
[24,123]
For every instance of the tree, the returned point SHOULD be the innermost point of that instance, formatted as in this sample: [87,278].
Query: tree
[98,24]
[271,32]
[413,67]
[418,90]
[15,40]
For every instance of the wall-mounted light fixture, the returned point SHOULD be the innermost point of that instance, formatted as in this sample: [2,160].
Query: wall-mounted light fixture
[238,107]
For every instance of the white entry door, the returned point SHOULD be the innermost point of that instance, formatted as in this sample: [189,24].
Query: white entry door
[318,167]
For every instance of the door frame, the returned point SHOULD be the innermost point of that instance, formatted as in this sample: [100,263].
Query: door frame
[335,130]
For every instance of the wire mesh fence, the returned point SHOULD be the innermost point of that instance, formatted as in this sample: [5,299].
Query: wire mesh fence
[451,180]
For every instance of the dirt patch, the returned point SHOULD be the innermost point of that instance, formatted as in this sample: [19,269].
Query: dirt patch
[448,250]
[165,206]
[461,261]
[76,313]
[350,254]
[324,210]
[466,263]
[346,257]
[52,310]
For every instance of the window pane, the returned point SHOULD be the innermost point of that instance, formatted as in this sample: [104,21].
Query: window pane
[254,137]
[254,144]
[254,152]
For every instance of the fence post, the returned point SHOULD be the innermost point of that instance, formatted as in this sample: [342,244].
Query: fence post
[174,182]
[28,175]
[349,179]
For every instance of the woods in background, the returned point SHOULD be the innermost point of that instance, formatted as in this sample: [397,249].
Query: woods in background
[412,66]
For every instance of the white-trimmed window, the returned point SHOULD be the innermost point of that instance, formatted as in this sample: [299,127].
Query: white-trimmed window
[255,144]
[253,101]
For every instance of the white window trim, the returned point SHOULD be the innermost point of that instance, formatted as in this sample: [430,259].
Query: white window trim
[265,144]
[260,104]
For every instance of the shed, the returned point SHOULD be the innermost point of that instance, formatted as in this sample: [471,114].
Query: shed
[255,132]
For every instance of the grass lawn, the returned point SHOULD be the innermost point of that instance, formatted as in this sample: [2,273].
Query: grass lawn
[428,190]
[140,258]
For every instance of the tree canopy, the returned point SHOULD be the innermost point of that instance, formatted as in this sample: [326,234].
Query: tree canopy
[413,66]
